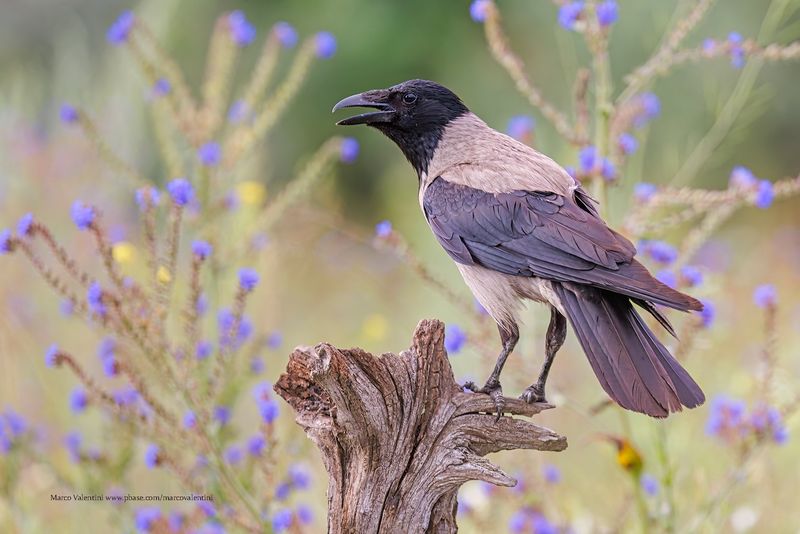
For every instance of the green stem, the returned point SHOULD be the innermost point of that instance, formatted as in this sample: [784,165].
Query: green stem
[735,103]
[602,113]
[667,479]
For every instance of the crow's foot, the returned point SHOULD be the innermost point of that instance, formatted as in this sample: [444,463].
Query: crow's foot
[495,391]
[533,394]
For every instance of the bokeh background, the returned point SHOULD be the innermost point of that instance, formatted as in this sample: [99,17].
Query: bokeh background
[323,278]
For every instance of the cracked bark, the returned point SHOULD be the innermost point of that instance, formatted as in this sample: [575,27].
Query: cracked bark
[397,434]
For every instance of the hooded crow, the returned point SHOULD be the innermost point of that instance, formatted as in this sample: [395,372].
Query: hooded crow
[519,227]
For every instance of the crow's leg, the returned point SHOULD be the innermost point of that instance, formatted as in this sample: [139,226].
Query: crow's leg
[556,334]
[509,338]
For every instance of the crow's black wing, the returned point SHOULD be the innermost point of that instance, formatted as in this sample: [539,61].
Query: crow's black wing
[544,234]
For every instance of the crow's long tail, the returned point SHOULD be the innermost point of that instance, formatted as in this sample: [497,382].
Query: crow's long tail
[633,366]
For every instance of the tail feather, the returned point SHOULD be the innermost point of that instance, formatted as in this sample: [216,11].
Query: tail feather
[633,366]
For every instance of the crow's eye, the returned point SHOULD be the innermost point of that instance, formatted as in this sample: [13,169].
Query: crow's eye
[409,98]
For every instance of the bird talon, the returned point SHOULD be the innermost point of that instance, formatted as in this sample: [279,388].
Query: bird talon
[533,395]
[495,392]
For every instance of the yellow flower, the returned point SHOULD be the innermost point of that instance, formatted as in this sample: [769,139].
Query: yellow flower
[251,193]
[163,275]
[123,252]
[628,457]
[375,327]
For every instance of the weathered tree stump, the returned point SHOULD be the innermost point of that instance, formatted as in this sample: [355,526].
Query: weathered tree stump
[397,434]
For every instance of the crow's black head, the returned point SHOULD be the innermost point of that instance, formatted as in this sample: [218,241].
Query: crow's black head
[413,114]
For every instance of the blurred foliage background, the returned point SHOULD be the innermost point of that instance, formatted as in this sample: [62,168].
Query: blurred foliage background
[322,278]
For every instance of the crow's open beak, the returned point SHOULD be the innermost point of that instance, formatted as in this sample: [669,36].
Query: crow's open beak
[370,99]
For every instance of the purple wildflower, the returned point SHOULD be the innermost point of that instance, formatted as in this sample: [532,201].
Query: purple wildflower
[6,242]
[726,417]
[304,514]
[238,112]
[282,491]
[649,484]
[454,338]
[73,442]
[607,13]
[269,411]
[248,279]
[222,414]
[233,455]
[282,520]
[764,194]
[82,215]
[207,508]
[262,392]
[325,44]
[737,51]
[152,456]
[587,158]
[765,296]
[203,350]
[256,445]
[181,191]
[661,252]
[189,419]
[691,275]
[94,297]
[708,313]
[242,31]
[106,347]
[125,397]
[51,356]
[257,365]
[145,518]
[709,45]
[478,10]
[607,169]
[767,421]
[348,150]
[78,400]
[667,277]
[274,340]
[569,13]
[176,521]
[14,422]
[286,34]
[742,178]
[643,192]
[201,306]
[110,366]
[650,108]
[66,307]
[520,127]
[210,154]
[118,32]
[552,474]
[202,249]
[300,476]
[24,225]
[161,87]
[627,143]
[383,229]
[68,114]
[147,198]
[225,321]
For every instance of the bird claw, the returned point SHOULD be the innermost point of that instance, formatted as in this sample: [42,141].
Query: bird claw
[533,394]
[495,392]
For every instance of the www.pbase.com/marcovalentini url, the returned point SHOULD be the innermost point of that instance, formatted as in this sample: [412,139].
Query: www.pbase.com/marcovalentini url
[129,498]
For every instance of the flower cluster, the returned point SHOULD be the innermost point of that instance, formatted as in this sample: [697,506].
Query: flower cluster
[730,421]
[165,381]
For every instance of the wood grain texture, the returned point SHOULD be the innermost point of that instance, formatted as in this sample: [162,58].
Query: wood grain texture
[397,434]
